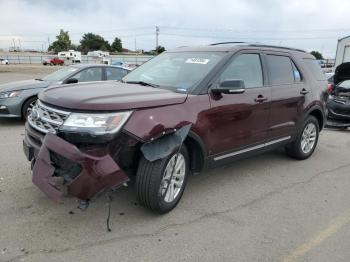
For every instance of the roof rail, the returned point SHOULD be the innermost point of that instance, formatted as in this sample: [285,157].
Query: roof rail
[260,45]
[224,43]
[280,47]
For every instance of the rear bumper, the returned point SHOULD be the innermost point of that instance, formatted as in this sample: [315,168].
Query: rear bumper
[95,173]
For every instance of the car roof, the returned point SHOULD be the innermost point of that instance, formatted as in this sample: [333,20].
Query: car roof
[235,46]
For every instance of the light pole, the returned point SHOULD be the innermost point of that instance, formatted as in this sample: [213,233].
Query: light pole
[157,34]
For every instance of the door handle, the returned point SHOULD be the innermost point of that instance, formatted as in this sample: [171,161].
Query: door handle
[260,99]
[304,92]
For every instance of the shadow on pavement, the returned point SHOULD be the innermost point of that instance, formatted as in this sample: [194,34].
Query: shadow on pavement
[11,122]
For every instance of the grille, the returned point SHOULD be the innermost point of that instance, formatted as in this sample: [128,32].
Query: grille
[46,119]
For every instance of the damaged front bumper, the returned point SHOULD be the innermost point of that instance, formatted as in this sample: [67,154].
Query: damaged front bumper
[92,174]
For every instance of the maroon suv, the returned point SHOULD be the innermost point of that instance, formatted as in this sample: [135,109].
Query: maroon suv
[183,111]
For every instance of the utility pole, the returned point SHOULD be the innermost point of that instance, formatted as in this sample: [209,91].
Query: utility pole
[135,43]
[157,34]
[20,46]
[48,40]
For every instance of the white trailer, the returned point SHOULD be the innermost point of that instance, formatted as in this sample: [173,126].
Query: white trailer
[71,55]
[98,53]
[343,51]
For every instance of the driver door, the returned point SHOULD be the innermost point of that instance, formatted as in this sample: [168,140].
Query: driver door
[240,121]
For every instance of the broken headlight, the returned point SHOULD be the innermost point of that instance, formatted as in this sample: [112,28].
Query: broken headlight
[96,124]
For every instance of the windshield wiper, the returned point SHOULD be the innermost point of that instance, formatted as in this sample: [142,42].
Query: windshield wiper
[142,83]
[39,79]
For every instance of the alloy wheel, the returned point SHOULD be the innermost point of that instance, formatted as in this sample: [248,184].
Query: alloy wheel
[308,139]
[173,180]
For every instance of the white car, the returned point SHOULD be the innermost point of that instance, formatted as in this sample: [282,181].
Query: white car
[4,61]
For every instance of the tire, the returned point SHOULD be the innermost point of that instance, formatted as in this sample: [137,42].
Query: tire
[27,104]
[149,179]
[298,149]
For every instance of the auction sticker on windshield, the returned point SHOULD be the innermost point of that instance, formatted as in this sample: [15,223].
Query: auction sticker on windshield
[201,61]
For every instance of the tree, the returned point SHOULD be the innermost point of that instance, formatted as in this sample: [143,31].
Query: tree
[92,42]
[62,42]
[317,55]
[160,49]
[117,45]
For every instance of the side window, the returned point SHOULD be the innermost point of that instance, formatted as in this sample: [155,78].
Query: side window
[89,74]
[281,71]
[115,73]
[246,67]
[315,69]
[297,75]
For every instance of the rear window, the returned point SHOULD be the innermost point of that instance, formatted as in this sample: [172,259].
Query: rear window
[281,71]
[315,69]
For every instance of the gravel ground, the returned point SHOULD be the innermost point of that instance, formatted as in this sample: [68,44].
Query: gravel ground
[10,73]
[266,208]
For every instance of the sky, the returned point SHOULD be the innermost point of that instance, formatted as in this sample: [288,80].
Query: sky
[308,24]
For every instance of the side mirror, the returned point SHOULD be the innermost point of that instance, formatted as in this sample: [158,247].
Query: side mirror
[72,81]
[230,86]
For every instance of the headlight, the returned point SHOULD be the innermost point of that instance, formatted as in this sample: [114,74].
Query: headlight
[96,124]
[10,94]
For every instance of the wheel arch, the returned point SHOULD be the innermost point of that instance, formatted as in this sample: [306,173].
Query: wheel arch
[317,113]
[197,151]
[25,101]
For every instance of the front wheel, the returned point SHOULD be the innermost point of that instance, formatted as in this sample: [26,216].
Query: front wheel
[28,106]
[305,143]
[157,186]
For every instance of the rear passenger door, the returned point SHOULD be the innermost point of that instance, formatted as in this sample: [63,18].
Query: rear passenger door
[288,93]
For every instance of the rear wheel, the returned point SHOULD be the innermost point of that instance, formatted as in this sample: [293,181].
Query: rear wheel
[27,107]
[305,143]
[158,187]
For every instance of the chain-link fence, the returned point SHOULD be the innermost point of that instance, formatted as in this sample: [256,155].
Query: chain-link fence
[39,59]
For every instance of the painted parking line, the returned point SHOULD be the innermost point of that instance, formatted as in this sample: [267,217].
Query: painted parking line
[335,225]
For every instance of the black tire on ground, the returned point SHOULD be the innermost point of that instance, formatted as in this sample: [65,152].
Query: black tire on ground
[26,106]
[148,182]
[294,149]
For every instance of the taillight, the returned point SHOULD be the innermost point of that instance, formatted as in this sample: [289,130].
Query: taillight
[330,88]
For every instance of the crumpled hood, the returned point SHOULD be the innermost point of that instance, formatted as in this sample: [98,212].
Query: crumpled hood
[22,85]
[109,96]
[342,73]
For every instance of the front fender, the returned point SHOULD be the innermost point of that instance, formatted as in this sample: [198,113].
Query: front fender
[148,124]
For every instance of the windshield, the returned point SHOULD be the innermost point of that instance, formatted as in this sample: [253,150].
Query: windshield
[179,71]
[61,74]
